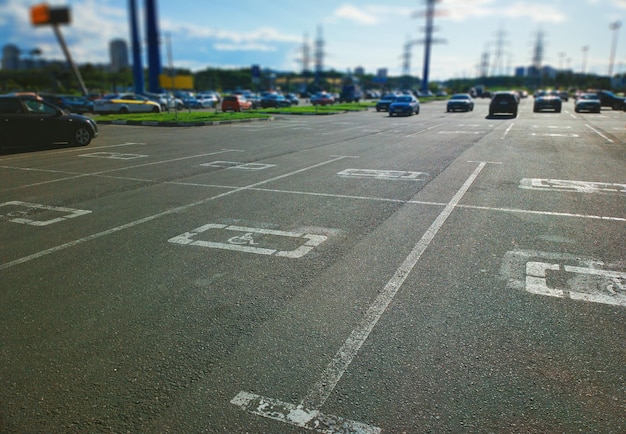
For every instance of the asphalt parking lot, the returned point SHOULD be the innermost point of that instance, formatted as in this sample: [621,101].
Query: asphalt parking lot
[444,272]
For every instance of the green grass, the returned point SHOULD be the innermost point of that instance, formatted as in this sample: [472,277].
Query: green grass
[212,115]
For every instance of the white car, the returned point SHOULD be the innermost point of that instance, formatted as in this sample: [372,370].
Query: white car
[166,100]
[206,100]
[125,103]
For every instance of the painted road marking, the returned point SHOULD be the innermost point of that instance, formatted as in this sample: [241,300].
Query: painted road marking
[25,209]
[245,239]
[305,414]
[237,165]
[152,217]
[460,132]
[573,186]
[554,127]
[565,276]
[553,135]
[394,175]
[113,155]
[599,133]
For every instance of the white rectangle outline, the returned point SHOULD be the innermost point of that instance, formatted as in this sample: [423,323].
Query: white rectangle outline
[71,213]
[313,240]
[113,155]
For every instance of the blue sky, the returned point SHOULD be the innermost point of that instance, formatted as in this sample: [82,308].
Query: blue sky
[367,33]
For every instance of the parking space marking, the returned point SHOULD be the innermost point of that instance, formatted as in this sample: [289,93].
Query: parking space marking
[26,209]
[565,276]
[599,133]
[305,413]
[554,135]
[113,155]
[251,240]
[394,175]
[237,165]
[169,211]
[571,186]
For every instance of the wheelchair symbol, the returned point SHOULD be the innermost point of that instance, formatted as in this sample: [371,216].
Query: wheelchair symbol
[244,240]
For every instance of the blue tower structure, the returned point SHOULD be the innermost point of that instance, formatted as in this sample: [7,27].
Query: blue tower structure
[136,47]
[154,55]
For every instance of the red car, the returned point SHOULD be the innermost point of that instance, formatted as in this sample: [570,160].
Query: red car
[322,98]
[235,103]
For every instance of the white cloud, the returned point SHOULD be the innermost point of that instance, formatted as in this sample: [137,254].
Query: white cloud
[244,47]
[352,13]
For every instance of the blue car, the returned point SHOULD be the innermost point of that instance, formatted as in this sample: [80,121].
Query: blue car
[405,105]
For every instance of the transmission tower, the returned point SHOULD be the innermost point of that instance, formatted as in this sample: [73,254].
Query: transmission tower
[319,55]
[428,40]
[305,59]
[499,54]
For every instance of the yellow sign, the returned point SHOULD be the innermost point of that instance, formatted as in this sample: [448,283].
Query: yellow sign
[40,14]
[176,82]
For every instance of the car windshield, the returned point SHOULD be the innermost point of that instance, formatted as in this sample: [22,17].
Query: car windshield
[403,99]
[459,97]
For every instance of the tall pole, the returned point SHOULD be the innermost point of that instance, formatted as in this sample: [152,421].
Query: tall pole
[585,50]
[154,55]
[138,79]
[614,27]
[75,70]
[430,12]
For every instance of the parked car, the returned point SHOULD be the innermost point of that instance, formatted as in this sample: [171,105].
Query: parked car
[587,102]
[547,101]
[383,104]
[460,101]
[405,105]
[292,98]
[274,100]
[235,103]
[322,98]
[25,120]
[503,103]
[70,103]
[609,99]
[206,100]
[125,103]
[166,101]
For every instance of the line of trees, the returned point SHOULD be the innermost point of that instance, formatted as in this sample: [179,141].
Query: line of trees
[59,79]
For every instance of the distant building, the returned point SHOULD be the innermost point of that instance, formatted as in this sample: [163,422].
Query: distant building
[359,70]
[118,50]
[10,58]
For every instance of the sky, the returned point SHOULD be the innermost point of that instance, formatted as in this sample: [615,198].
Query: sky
[371,34]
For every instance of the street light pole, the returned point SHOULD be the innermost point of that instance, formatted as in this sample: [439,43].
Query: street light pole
[584,49]
[614,27]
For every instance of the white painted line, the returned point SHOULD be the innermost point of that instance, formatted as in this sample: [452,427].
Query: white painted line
[156,216]
[553,135]
[246,242]
[113,155]
[599,133]
[571,186]
[83,175]
[426,129]
[321,390]
[20,215]
[507,130]
[237,165]
[394,175]
[291,414]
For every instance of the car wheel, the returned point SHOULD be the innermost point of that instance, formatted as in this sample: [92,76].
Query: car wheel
[418,111]
[82,137]
[156,109]
[577,111]
[124,110]
[558,110]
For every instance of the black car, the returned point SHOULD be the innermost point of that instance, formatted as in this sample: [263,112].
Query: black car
[26,120]
[609,99]
[503,103]
[274,100]
[384,103]
[460,101]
